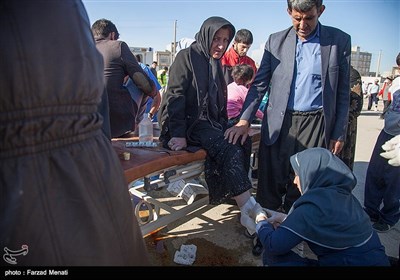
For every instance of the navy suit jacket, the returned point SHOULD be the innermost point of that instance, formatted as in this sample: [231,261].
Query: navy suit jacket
[277,69]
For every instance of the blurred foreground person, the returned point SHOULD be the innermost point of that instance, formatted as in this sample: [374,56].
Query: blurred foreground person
[64,200]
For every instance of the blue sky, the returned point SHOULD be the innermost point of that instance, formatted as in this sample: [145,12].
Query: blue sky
[374,25]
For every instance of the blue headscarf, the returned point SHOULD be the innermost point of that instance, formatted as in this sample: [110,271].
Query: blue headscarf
[327,213]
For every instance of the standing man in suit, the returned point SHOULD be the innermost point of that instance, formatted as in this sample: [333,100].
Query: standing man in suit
[306,70]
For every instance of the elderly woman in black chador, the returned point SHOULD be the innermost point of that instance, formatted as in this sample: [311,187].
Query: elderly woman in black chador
[193,115]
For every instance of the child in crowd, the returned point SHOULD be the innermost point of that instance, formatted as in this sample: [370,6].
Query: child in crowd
[237,91]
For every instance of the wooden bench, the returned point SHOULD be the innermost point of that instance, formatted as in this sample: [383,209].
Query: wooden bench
[151,169]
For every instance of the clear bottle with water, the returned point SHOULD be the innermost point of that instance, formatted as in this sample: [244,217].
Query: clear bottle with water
[146,129]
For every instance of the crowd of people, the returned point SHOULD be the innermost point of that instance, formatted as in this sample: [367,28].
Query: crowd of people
[69,201]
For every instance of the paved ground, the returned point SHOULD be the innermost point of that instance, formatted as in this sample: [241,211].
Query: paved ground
[219,236]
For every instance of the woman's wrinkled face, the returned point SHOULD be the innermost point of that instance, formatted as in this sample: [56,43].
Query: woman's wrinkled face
[220,43]
[304,23]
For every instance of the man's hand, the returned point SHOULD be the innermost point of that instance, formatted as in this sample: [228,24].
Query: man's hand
[336,146]
[240,129]
[392,151]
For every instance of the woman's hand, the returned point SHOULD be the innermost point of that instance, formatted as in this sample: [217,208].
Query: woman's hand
[275,218]
[177,143]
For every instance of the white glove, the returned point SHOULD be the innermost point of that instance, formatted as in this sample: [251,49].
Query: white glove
[392,151]
[275,218]
[258,213]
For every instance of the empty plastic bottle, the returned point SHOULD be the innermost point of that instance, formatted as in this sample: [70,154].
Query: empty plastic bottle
[146,129]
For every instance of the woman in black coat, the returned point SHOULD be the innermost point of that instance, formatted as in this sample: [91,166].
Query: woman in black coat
[193,115]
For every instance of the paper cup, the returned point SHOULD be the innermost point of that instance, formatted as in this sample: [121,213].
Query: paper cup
[126,155]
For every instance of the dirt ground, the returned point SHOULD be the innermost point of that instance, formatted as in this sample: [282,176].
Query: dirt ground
[162,252]
[217,234]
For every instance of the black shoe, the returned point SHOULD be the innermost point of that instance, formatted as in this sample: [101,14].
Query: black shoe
[257,247]
[381,226]
[394,261]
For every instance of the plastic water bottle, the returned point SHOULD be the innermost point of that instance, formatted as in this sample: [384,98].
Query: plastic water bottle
[146,129]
